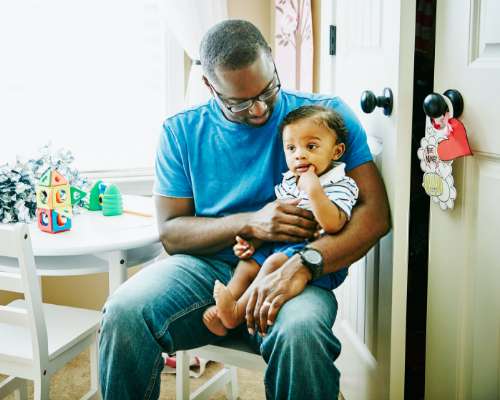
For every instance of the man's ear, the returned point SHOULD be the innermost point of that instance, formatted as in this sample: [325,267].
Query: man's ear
[205,81]
[338,150]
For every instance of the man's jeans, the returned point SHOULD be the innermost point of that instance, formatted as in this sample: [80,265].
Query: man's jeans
[160,309]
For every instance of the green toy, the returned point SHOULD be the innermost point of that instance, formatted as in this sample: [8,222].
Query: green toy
[96,195]
[77,195]
[112,201]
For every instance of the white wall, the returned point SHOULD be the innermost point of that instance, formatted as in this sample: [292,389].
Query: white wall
[257,12]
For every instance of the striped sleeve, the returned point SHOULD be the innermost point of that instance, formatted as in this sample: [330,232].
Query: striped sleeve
[343,193]
[282,193]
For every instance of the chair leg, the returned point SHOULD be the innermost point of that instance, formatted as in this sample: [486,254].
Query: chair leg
[94,391]
[182,390]
[232,389]
[15,385]
[41,388]
[21,392]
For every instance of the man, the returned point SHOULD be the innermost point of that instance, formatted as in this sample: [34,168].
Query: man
[216,168]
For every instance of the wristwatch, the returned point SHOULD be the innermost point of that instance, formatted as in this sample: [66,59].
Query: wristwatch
[312,259]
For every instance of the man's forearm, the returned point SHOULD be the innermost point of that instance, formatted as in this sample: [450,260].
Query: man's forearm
[363,230]
[370,221]
[200,235]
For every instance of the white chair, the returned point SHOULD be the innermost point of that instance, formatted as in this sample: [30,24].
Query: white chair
[233,353]
[37,339]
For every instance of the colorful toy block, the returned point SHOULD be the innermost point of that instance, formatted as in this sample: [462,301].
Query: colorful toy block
[45,178]
[54,200]
[53,196]
[52,178]
[44,219]
[53,221]
[60,222]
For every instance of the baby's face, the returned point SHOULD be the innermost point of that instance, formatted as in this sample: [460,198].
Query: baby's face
[308,143]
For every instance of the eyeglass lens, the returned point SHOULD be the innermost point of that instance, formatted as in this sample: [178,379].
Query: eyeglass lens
[249,103]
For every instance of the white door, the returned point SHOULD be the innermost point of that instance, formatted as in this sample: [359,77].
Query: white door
[374,51]
[463,304]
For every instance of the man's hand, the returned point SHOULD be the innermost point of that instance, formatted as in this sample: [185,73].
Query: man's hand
[281,221]
[272,291]
[308,181]
[243,249]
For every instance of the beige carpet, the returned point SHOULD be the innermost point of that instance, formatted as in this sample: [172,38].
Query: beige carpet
[73,381]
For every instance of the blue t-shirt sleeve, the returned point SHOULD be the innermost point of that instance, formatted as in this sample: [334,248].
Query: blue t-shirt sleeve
[171,173]
[358,151]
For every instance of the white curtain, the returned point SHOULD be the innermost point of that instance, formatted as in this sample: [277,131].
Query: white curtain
[188,21]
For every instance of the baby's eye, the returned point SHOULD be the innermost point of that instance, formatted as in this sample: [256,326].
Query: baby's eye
[290,147]
[312,146]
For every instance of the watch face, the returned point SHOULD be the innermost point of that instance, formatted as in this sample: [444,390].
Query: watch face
[312,256]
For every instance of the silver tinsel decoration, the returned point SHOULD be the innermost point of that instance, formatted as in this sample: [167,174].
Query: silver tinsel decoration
[18,181]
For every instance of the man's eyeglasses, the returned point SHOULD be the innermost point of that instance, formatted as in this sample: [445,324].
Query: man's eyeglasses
[268,93]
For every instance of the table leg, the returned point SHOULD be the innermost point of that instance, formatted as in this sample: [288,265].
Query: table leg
[117,261]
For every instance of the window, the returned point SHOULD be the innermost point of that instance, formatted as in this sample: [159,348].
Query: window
[96,77]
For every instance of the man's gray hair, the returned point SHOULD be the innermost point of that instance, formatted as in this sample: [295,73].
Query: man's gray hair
[231,44]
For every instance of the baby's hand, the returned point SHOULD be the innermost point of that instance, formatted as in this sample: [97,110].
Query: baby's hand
[308,180]
[243,249]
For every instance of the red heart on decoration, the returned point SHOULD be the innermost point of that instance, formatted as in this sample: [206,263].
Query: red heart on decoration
[457,144]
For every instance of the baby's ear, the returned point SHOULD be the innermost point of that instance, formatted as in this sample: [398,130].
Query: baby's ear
[338,150]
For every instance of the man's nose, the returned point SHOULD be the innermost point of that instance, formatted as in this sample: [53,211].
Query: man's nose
[258,108]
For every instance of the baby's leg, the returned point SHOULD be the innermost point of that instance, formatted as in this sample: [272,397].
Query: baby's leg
[215,317]
[244,274]
[271,264]
[226,296]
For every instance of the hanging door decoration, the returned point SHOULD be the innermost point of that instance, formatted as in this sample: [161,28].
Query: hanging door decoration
[445,140]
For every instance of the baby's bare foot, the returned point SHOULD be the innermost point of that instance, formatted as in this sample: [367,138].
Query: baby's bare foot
[227,307]
[213,322]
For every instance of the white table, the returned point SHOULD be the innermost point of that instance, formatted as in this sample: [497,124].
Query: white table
[97,243]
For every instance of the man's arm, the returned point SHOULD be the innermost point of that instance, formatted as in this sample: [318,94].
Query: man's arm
[182,232]
[370,220]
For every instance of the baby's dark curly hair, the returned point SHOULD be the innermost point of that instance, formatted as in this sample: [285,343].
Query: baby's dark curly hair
[326,117]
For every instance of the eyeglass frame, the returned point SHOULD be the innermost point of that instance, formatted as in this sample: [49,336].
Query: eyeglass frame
[254,99]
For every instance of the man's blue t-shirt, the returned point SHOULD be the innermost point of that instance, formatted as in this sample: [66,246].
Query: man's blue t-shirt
[227,167]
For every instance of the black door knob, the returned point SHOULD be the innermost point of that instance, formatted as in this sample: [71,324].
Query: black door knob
[435,106]
[369,101]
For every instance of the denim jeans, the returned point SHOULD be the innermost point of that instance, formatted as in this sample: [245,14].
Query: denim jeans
[160,309]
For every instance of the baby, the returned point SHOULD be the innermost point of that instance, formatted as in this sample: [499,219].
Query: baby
[314,139]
